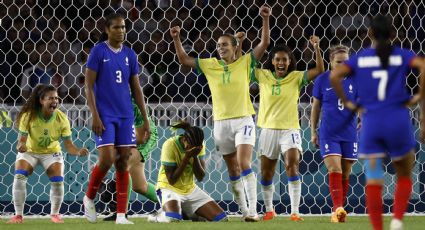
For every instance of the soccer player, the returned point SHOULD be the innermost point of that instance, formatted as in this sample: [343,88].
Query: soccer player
[337,132]
[278,119]
[41,125]
[380,74]
[136,162]
[111,74]
[234,129]
[181,162]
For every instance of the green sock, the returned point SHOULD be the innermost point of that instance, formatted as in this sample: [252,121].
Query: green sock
[151,193]
[129,189]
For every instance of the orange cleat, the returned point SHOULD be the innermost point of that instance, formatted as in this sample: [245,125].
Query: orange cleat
[341,214]
[296,218]
[269,215]
[334,218]
[56,218]
[18,219]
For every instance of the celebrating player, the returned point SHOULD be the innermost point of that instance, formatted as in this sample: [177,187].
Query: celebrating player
[338,135]
[234,129]
[41,125]
[278,118]
[111,72]
[380,74]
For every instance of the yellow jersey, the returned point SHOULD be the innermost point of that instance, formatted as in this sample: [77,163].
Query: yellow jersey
[172,154]
[43,134]
[229,85]
[279,99]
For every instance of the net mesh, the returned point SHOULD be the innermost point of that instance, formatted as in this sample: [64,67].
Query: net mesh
[48,41]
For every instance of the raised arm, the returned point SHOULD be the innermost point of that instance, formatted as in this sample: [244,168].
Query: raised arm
[139,98]
[183,57]
[259,50]
[240,36]
[314,119]
[173,173]
[320,66]
[90,79]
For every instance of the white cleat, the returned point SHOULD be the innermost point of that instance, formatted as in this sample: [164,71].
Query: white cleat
[89,209]
[122,220]
[396,224]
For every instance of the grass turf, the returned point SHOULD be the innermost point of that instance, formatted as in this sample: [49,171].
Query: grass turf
[310,223]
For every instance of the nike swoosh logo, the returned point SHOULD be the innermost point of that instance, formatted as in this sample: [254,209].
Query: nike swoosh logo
[105,60]
[327,89]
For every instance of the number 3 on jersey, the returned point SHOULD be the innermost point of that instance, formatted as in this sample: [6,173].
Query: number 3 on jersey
[382,75]
[119,78]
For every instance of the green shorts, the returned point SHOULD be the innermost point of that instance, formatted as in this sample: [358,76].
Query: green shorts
[146,149]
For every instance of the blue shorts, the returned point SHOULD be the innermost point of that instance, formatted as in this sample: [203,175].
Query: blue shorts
[118,132]
[386,133]
[346,149]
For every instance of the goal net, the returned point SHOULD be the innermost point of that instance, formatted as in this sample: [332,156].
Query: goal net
[48,41]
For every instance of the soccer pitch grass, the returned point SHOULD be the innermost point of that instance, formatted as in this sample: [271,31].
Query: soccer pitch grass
[310,223]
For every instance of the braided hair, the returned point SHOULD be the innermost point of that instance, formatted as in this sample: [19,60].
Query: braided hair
[193,134]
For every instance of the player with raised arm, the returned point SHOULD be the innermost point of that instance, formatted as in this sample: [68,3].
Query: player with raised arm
[380,74]
[111,79]
[181,162]
[41,124]
[278,119]
[337,137]
[234,128]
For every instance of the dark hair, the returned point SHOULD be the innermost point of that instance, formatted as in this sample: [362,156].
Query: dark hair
[232,38]
[108,22]
[193,134]
[336,49]
[381,31]
[33,105]
[285,49]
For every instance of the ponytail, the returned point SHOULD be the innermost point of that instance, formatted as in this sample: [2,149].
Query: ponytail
[381,31]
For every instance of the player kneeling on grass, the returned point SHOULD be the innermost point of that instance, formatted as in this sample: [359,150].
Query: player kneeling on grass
[181,161]
[41,125]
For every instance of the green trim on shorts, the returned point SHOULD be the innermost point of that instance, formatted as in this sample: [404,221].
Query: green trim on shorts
[168,163]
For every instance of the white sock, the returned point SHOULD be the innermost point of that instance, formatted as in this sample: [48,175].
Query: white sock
[294,188]
[56,197]
[121,215]
[239,195]
[250,184]
[268,196]
[19,191]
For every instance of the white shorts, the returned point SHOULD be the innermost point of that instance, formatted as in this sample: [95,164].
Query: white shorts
[230,133]
[272,142]
[189,203]
[44,159]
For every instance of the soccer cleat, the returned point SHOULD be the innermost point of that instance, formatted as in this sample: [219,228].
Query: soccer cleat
[269,215]
[334,218]
[296,218]
[18,219]
[56,218]
[396,224]
[341,214]
[123,221]
[251,218]
[89,209]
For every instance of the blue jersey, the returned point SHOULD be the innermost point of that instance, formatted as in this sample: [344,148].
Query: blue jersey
[337,122]
[381,88]
[114,70]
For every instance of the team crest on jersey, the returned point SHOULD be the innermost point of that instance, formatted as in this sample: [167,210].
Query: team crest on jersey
[350,88]
[46,132]
[326,148]
[126,60]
